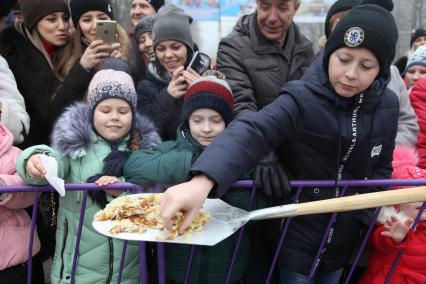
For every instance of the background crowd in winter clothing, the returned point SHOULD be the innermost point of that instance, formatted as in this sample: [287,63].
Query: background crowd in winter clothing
[148,107]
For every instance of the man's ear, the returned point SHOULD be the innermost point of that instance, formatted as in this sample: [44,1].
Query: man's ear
[297,5]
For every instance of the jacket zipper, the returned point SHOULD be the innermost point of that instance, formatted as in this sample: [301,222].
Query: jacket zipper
[111,260]
[64,242]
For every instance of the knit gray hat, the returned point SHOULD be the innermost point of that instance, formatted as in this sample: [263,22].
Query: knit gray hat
[417,58]
[34,10]
[145,25]
[172,24]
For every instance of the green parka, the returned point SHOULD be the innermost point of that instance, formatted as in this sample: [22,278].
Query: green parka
[169,163]
[80,153]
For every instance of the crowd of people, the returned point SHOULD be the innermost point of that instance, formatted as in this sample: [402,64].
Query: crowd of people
[151,108]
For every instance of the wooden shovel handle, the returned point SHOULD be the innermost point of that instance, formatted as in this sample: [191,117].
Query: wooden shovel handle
[361,201]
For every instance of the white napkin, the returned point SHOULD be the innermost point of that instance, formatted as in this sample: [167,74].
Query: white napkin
[51,166]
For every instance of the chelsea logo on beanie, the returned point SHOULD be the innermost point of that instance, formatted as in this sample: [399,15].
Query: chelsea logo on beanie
[354,36]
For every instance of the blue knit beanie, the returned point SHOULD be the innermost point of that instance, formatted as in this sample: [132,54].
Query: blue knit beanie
[417,58]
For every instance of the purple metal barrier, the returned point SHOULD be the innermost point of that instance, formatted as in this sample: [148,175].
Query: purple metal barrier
[123,257]
[281,241]
[247,184]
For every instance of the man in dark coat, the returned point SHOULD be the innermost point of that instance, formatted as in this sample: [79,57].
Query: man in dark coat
[264,51]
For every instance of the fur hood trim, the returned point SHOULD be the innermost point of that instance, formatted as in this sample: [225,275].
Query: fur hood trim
[72,132]
[389,211]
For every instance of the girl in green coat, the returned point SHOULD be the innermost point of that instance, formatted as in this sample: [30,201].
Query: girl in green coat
[206,111]
[89,141]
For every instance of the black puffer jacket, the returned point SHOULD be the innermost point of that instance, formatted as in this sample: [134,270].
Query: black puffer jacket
[38,84]
[155,101]
[256,68]
[316,127]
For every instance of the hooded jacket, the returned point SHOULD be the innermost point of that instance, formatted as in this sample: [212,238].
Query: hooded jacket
[408,127]
[256,68]
[80,153]
[169,163]
[418,101]
[316,128]
[411,267]
[15,224]
[155,101]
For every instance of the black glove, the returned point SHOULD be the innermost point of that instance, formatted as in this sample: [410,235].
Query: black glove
[270,175]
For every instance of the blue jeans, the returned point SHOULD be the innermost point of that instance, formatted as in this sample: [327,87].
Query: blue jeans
[290,277]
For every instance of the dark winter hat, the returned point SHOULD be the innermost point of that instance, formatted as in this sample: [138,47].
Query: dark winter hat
[172,24]
[115,64]
[338,6]
[366,26]
[79,7]
[108,84]
[34,10]
[417,58]
[6,6]
[416,34]
[145,25]
[209,92]
[386,4]
[156,4]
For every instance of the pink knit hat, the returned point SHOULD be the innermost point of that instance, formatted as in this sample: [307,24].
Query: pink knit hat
[404,164]
[111,84]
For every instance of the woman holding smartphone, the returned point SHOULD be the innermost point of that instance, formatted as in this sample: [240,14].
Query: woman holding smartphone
[160,94]
[85,52]
[32,49]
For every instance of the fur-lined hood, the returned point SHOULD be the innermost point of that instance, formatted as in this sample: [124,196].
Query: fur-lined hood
[389,211]
[72,132]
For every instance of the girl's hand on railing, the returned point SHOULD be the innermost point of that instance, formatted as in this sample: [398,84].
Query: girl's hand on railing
[397,229]
[188,197]
[35,168]
[107,180]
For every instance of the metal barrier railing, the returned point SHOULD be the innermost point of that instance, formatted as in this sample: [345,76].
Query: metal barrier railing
[344,184]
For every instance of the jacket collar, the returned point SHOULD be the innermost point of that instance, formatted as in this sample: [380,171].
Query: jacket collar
[316,79]
[261,45]
[72,133]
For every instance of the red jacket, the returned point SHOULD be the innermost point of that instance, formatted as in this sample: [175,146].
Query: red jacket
[411,268]
[418,101]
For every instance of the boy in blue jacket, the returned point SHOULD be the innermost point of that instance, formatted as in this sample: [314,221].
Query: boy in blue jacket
[338,122]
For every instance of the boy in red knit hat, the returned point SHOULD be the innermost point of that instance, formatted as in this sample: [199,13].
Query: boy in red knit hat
[206,111]
[395,232]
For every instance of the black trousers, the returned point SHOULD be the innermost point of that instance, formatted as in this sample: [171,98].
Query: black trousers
[15,274]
